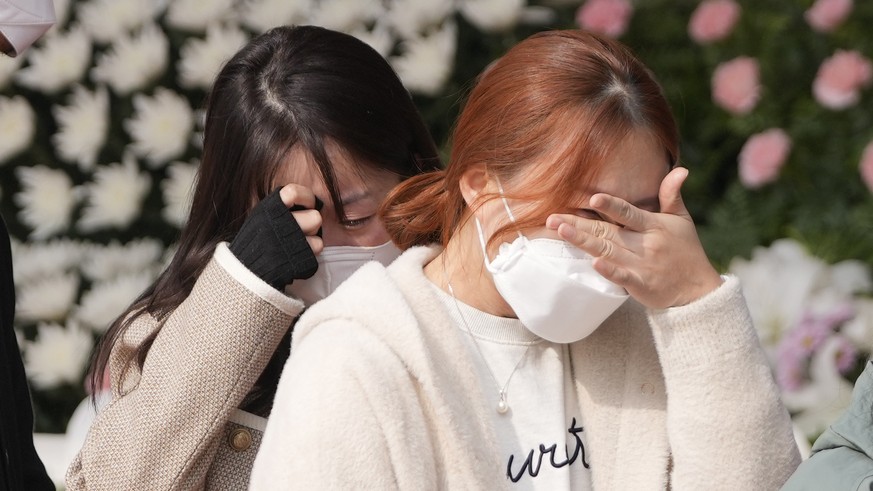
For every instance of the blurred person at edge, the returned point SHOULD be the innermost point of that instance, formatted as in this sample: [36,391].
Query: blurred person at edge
[21,23]
[554,322]
[842,457]
[306,131]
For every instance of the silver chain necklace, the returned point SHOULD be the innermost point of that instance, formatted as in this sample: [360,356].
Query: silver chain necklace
[502,404]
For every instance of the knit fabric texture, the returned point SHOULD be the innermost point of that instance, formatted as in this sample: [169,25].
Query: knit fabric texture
[232,468]
[167,423]
[272,245]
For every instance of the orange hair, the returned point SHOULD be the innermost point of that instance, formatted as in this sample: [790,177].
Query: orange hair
[554,107]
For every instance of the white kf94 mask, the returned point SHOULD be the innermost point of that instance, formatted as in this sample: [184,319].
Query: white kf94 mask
[335,265]
[552,286]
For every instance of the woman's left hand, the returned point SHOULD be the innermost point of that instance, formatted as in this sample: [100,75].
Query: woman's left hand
[656,257]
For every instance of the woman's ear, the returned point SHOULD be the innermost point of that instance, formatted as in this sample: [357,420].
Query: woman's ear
[473,183]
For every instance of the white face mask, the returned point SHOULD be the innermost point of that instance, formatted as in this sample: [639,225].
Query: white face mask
[23,21]
[335,265]
[552,286]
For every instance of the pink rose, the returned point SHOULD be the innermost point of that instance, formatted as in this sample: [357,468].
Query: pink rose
[827,15]
[866,166]
[840,78]
[609,17]
[713,20]
[763,156]
[735,85]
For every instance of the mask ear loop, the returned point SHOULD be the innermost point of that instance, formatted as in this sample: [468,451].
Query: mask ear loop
[506,203]
[482,233]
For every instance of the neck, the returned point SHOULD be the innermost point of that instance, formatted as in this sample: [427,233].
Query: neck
[461,264]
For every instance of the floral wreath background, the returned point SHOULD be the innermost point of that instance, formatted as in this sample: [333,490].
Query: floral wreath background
[100,126]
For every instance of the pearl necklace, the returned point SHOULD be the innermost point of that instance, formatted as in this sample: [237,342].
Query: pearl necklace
[502,403]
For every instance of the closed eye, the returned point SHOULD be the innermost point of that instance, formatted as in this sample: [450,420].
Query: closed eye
[356,223]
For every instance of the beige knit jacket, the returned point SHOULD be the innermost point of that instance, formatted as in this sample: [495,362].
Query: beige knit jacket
[175,424]
[380,392]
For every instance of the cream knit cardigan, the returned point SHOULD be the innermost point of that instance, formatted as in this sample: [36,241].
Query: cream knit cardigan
[380,393]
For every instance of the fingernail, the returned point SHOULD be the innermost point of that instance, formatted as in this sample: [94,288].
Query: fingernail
[553,222]
[567,232]
[596,201]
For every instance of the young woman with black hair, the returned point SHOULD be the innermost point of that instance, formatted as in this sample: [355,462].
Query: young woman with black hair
[306,132]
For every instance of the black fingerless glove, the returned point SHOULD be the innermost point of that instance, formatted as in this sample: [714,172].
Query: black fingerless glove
[272,245]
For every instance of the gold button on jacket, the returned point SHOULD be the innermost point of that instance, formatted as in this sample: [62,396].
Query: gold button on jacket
[240,439]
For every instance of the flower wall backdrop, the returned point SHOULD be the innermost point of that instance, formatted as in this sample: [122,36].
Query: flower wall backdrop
[100,127]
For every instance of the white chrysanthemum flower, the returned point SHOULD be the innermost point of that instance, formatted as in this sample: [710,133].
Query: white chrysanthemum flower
[426,62]
[538,15]
[46,199]
[778,282]
[104,262]
[115,197]
[59,355]
[825,398]
[178,191]
[106,300]
[859,329]
[8,67]
[493,15]
[850,277]
[61,61]
[108,20]
[46,299]
[345,15]
[379,38]
[161,127]
[83,126]
[196,15]
[133,61]
[201,59]
[17,125]
[45,259]
[262,15]
[411,18]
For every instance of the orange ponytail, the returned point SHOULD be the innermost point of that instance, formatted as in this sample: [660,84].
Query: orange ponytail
[413,213]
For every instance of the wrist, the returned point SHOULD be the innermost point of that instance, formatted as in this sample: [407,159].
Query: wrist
[705,285]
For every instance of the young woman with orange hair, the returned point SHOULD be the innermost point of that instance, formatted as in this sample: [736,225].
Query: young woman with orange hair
[554,323]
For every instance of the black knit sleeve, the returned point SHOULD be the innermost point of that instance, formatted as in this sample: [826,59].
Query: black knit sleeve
[272,245]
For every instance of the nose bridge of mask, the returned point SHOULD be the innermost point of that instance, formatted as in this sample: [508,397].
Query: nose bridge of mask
[339,254]
[354,253]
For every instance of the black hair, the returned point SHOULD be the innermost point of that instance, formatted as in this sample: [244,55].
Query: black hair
[290,86]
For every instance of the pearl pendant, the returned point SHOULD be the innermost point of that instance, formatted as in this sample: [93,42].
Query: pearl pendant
[502,406]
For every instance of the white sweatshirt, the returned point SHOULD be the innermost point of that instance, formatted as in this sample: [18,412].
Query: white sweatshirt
[541,438]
